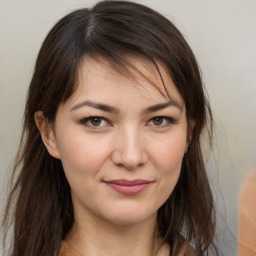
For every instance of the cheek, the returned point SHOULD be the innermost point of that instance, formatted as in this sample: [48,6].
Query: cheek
[82,155]
[168,157]
[168,154]
[82,160]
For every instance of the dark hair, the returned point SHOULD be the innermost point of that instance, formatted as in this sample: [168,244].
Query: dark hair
[40,198]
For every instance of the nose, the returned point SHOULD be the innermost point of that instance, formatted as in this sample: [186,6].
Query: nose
[129,150]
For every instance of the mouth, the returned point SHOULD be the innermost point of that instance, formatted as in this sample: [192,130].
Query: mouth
[128,187]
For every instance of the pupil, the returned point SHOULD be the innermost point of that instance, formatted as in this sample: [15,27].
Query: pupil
[96,121]
[158,120]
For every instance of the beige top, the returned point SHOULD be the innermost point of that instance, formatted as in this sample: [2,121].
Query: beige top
[247,219]
[68,250]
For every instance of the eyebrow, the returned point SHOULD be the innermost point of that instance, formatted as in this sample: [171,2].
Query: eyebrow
[160,106]
[96,105]
[114,110]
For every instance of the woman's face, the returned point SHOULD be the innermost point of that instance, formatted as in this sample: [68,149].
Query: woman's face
[121,142]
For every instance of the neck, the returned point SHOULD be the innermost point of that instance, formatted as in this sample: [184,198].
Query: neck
[95,237]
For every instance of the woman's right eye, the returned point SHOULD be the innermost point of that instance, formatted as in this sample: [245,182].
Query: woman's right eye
[94,121]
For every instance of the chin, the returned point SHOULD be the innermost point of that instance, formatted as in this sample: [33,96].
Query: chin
[131,218]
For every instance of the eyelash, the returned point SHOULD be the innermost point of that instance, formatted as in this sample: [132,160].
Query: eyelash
[167,120]
[88,121]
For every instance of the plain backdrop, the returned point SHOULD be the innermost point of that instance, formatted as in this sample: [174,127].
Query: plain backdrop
[222,35]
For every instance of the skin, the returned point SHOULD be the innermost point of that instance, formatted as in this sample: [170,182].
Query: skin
[132,141]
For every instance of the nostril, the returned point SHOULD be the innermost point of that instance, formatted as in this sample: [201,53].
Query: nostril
[129,161]
[120,165]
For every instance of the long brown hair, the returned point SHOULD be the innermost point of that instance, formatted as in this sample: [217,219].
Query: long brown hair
[39,204]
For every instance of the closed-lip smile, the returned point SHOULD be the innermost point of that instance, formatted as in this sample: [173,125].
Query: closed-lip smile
[128,187]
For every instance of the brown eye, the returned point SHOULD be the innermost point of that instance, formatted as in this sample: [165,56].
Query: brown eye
[95,121]
[158,120]
[162,121]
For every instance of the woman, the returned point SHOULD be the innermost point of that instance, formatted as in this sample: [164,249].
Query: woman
[110,162]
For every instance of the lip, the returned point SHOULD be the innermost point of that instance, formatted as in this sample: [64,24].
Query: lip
[128,187]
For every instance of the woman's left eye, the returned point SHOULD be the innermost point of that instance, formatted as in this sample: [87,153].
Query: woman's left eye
[94,121]
[161,121]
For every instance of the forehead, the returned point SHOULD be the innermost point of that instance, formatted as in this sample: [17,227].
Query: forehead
[132,73]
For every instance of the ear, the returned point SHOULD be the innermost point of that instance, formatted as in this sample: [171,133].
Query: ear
[47,133]
[190,128]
